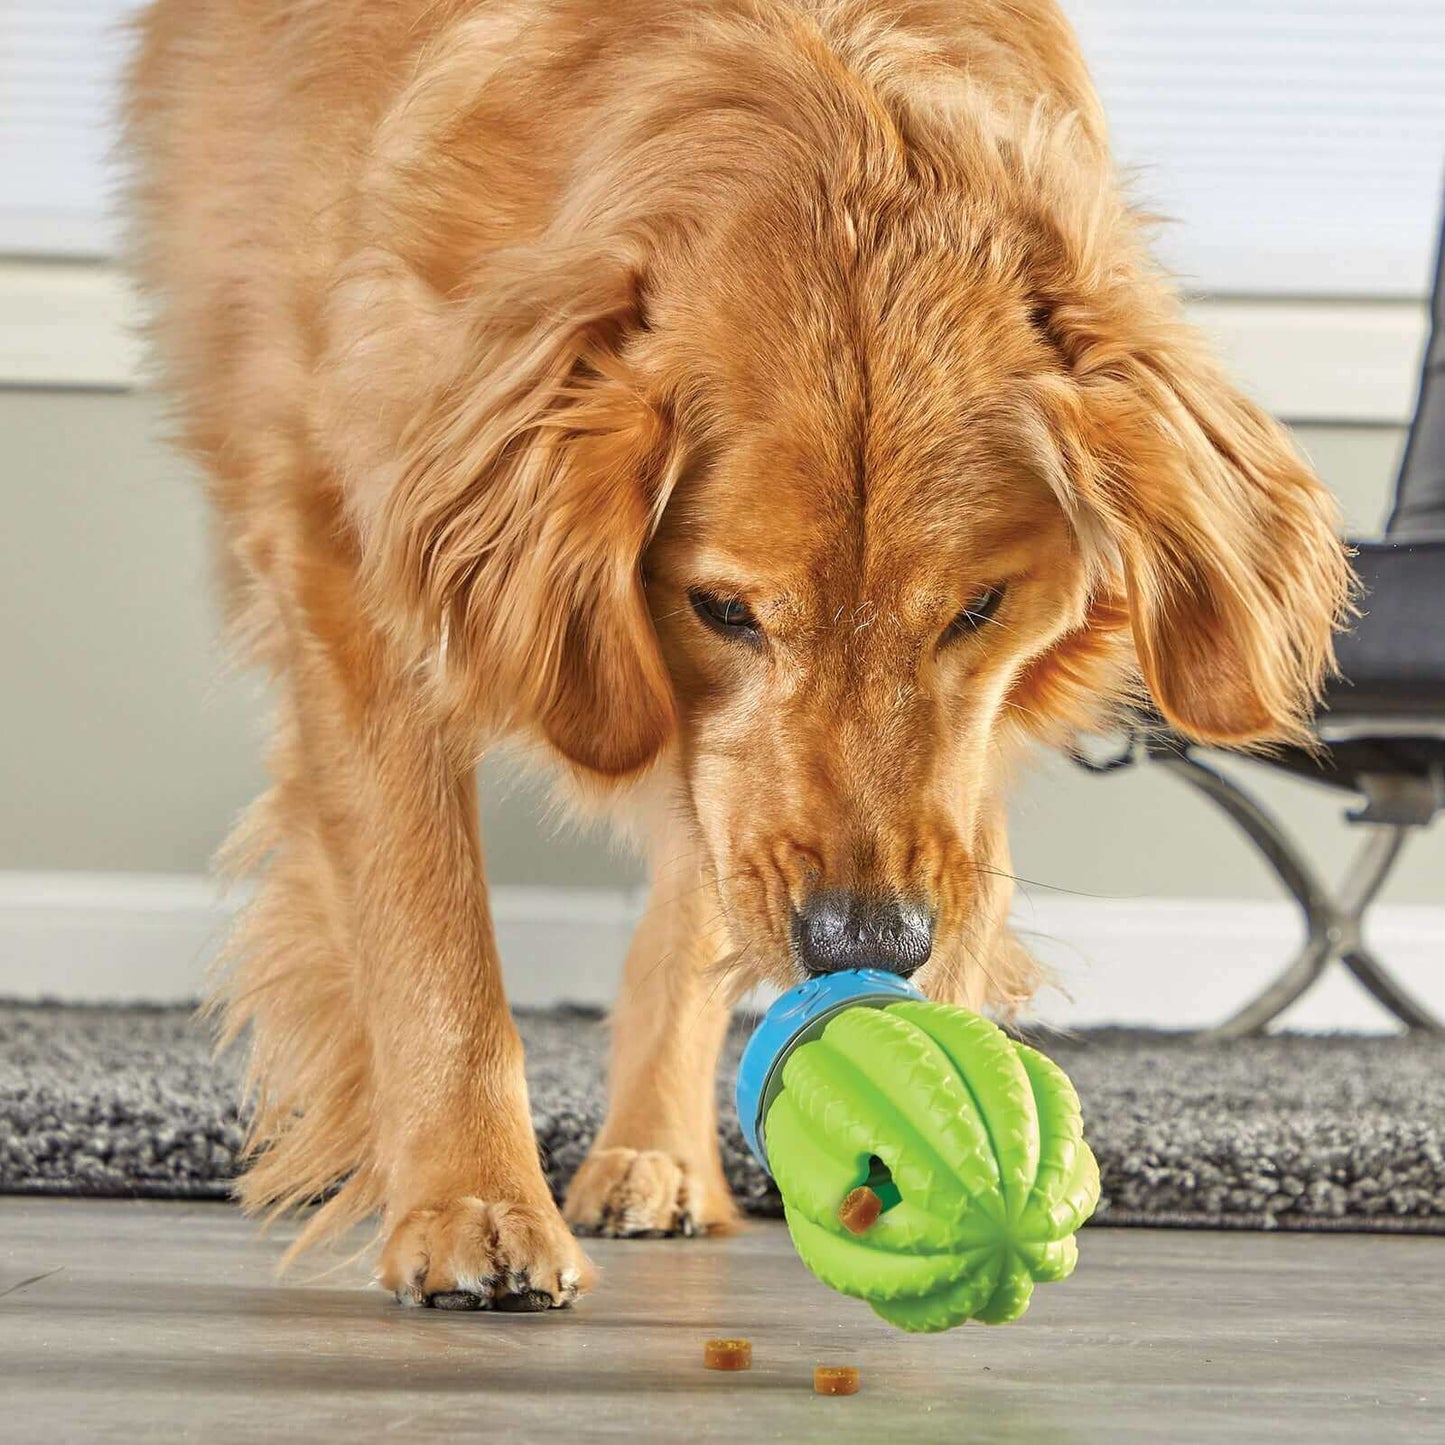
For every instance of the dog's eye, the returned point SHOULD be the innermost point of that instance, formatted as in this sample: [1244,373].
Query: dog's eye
[980,610]
[730,617]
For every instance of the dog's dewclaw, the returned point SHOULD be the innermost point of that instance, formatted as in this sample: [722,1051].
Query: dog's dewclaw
[728,1354]
[835,1379]
[859,1212]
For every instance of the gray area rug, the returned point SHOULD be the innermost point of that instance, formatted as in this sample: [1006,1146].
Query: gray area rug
[1295,1131]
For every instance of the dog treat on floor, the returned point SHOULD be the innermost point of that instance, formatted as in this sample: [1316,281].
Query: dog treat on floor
[835,1379]
[728,1355]
[859,1211]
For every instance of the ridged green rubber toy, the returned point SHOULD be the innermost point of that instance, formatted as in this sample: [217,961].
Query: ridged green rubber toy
[973,1144]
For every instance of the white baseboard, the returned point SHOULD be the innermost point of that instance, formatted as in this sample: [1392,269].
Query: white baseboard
[1186,963]
[148,937]
[1170,963]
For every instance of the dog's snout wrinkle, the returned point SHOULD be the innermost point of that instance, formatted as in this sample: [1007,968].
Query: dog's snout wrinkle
[836,930]
[797,865]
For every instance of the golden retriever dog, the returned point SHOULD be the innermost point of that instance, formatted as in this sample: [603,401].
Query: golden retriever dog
[764,413]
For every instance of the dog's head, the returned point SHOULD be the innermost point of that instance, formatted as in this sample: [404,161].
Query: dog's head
[835,496]
[944,487]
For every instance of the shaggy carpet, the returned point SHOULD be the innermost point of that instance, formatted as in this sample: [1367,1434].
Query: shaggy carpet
[1293,1131]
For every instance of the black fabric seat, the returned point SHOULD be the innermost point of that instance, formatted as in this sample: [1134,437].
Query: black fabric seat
[1392,664]
[1419,511]
[1380,731]
[1385,713]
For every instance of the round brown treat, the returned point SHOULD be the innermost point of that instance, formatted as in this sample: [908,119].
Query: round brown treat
[859,1212]
[835,1379]
[728,1354]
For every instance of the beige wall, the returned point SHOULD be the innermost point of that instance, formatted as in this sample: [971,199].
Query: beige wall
[126,744]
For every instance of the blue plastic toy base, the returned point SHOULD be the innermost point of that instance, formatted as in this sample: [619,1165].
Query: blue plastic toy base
[801,1014]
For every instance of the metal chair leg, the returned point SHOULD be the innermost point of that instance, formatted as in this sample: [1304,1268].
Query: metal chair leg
[1264,1008]
[1372,866]
[1333,925]
[1362,884]
[1391,994]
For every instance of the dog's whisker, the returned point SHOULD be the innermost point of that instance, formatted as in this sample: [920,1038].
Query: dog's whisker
[732,969]
[702,928]
[1046,887]
[1027,711]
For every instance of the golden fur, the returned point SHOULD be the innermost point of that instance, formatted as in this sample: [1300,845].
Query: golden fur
[498,328]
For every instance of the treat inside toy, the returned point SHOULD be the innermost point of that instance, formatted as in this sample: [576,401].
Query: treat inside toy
[860,1210]
[862,1207]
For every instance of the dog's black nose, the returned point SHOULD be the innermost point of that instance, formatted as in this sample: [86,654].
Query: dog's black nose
[835,930]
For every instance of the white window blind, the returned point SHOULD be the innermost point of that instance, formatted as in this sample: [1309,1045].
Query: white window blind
[1298,145]
[60,62]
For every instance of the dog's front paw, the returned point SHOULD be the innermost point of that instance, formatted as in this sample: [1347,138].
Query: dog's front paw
[626,1193]
[469,1254]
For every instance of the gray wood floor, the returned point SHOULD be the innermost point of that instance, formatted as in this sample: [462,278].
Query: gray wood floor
[136,1321]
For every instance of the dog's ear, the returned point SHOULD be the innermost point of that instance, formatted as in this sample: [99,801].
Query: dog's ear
[491,399]
[594,674]
[522,522]
[1235,574]
[505,473]
[501,456]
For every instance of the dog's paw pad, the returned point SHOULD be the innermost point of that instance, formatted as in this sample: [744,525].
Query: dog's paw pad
[526,1302]
[456,1299]
[474,1255]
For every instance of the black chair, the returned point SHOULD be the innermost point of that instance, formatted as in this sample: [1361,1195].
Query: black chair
[1381,729]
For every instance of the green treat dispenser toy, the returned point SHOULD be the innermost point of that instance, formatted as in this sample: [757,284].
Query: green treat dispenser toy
[969,1145]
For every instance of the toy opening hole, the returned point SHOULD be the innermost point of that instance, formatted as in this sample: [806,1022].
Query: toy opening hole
[880,1181]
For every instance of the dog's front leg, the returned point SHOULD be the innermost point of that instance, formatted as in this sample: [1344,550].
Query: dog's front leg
[471,1220]
[655,1168]
[377,1009]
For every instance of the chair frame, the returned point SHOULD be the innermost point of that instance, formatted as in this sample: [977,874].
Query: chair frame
[1394,809]
[1396,803]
